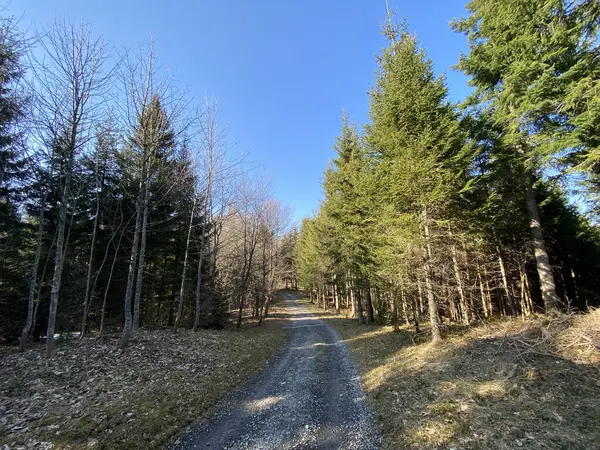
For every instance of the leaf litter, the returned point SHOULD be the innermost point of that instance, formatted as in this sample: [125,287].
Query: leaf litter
[94,395]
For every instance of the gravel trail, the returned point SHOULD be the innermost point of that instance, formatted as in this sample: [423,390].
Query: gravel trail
[308,397]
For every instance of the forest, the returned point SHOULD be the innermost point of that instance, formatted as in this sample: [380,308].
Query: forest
[156,293]
[123,203]
[454,213]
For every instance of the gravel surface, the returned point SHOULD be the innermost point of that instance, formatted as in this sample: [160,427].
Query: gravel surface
[308,397]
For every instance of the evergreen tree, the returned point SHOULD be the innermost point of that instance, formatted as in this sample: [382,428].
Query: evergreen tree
[153,143]
[346,216]
[413,137]
[528,62]
[12,174]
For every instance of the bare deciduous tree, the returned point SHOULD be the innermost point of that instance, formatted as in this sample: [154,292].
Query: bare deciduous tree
[70,81]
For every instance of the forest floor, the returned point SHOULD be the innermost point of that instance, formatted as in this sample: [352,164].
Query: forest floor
[532,384]
[93,395]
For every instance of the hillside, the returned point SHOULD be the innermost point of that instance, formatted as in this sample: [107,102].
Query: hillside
[509,384]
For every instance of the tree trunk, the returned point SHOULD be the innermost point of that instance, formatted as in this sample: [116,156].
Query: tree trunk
[404,306]
[264,300]
[148,310]
[454,313]
[320,297]
[199,280]
[573,280]
[99,271]
[257,303]
[270,293]
[33,282]
[416,317]
[88,280]
[240,312]
[58,261]
[184,270]
[359,308]
[436,335]
[208,205]
[482,292]
[504,282]
[35,312]
[336,296]
[459,285]
[420,291]
[347,298]
[488,291]
[369,307]
[110,274]
[394,317]
[23,342]
[473,311]
[131,273]
[542,259]
[141,262]
[246,274]
[261,308]
[268,305]
[41,284]
[528,290]
[523,296]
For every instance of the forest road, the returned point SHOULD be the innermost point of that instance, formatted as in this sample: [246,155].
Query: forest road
[307,397]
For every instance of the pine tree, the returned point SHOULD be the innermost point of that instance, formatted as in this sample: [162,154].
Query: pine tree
[153,141]
[413,138]
[346,216]
[524,59]
[12,173]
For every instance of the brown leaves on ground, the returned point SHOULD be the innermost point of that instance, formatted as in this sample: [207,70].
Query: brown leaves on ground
[530,384]
[94,395]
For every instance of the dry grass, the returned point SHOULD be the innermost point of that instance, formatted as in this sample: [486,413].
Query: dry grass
[506,385]
[94,395]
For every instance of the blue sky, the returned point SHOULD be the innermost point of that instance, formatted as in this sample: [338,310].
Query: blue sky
[282,71]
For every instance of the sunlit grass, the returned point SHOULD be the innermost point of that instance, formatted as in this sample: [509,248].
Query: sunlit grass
[503,385]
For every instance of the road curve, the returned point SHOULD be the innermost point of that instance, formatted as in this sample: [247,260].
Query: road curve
[308,397]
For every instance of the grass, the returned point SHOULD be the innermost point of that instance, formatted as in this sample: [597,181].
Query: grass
[94,395]
[531,384]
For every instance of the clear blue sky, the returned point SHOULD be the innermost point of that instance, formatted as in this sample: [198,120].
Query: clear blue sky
[282,71]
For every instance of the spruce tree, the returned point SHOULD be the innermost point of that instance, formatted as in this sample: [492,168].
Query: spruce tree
[346,214]
[153,142]
[12,174]
[525,58]
[413,138]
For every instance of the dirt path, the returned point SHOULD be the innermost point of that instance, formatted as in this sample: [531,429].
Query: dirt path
[308,397]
